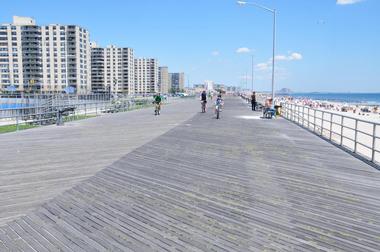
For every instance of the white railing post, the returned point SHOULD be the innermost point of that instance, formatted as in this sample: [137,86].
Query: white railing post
[341,129]
[315,119]
[331,125]
[303,116]
[374,143]
[356,136]
[323,120]
[298,114]
[293,109]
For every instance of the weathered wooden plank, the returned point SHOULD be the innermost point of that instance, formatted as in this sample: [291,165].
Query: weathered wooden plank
[39,164]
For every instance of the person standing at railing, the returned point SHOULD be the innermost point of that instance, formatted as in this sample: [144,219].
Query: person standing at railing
[253,101]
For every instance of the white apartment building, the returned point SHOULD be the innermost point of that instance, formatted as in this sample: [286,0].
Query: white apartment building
[20,54]
[66,58]
[209,85]
[44,59]
[163,79]
[146,76]
[112,69]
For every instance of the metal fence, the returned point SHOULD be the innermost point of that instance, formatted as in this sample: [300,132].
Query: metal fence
[44,109]
[359,136]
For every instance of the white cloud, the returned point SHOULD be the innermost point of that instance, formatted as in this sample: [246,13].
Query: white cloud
[290,57]
[295,56]
[243,50]
[345,2]
[215,53]
[262,66]
[281,58]
[266,66]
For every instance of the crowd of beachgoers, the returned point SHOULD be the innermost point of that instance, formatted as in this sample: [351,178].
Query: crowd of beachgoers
[372,111]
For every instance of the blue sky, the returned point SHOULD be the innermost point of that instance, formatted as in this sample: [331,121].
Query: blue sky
[322,45]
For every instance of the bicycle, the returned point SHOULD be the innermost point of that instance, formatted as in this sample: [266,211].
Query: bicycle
[217,111]
[203,104]
[157,108]
[218,107]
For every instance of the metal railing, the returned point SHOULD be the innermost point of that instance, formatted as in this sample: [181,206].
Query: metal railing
[44,109]
[260,98]
[359,136]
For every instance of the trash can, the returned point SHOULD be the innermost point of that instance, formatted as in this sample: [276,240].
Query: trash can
[278,109]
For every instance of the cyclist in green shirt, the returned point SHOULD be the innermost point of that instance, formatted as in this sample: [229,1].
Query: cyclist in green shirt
[157,101]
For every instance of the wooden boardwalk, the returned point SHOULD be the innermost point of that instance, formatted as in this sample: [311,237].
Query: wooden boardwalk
[38,164]
[235,184]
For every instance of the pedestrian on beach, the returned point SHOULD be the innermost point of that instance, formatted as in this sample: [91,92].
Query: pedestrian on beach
[253,101]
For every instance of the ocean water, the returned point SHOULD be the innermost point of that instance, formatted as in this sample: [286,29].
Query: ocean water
[353,98]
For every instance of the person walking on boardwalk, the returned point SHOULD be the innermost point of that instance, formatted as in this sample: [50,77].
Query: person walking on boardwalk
[203,101]
[253,101]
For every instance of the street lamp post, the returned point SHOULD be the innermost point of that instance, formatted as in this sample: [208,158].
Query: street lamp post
[253,68]
[273,11]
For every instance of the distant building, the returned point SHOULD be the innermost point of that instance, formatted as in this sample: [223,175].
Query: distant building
[209,85]
[177,81]
[146,76]
[44,58]
[232,89]
[112,68]
[220,87]
[199,88]
[163,79]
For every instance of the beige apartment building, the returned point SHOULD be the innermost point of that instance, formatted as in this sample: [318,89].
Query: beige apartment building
[112,69]
[163,79]
[146,76]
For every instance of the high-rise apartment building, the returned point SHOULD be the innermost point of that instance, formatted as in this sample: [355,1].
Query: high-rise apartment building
[112,69]
[44,58]
[146,76]
[20,55]
[98,69]
[209,85]
[163,79]
[177,81]
[66,58]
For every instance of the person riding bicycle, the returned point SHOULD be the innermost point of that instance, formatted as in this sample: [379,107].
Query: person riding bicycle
[203,101]
[210,95]
[218,105]
[219,100]
[157,101]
